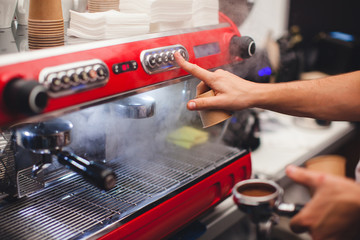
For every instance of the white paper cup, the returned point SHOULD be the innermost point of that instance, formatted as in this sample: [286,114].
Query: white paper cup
[7,12]
[22,12]
[80,5]
[67,5]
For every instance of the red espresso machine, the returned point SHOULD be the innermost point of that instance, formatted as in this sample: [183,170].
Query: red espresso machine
[96,141]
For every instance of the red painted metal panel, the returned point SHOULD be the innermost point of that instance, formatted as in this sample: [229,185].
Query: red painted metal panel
[172,214]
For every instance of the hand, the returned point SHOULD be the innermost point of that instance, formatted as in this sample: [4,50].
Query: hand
[231,91]
[334,210]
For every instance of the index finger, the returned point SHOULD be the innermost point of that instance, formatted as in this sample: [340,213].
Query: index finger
[193,69]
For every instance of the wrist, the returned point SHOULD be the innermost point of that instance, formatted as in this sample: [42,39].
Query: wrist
[261,95]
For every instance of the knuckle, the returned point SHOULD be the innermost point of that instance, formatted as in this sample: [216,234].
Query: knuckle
[218,74]
[320,179]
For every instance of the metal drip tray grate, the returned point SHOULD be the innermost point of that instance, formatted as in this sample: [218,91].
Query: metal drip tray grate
[72,208]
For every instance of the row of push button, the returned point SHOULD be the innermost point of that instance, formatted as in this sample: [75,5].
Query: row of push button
[162,59]
[83,75]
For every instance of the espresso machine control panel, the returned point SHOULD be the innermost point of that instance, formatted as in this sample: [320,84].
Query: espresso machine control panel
[69,78]
[162,59]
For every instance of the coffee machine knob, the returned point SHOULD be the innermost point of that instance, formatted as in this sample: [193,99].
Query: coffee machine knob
[158,59]
[25,96]
[165,57]
[65,81]
[182,53]
[75,79]
[243,47]
[101,72]
[151,61]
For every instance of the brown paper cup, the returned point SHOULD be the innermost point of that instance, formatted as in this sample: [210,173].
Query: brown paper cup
[103,5]
[45,10]
[211,117]
[330,164]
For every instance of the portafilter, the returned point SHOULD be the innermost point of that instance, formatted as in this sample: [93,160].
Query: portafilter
[50,137]
[261,200]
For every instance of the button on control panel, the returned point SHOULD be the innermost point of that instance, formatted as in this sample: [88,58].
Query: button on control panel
[162,59]
[125,67]
[67,79]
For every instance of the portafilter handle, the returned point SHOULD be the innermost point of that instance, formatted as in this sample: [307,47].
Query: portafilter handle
[98,174]
[50,137]
[288,209]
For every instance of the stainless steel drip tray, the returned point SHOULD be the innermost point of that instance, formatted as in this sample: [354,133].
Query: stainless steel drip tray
[74,209]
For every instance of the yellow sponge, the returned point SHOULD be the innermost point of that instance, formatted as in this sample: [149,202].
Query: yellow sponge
[187,137]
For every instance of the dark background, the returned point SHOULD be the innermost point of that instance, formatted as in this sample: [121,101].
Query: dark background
[314,16]
[319,50]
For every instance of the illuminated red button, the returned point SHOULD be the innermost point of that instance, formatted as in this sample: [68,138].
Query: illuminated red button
[125,67]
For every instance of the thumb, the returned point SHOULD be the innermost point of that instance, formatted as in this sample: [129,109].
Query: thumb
[305,177]
[298,223]
[205,103]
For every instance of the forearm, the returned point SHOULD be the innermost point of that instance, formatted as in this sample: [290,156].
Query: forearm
[333,98]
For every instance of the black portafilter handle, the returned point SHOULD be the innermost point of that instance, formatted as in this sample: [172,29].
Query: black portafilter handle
[25,96]
[96,173]
[288,209]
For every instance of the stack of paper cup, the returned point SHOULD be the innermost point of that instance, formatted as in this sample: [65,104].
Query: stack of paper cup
[103,5]
[45,24]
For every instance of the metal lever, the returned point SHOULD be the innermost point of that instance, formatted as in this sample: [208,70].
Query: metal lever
[96,173]
[288,209]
